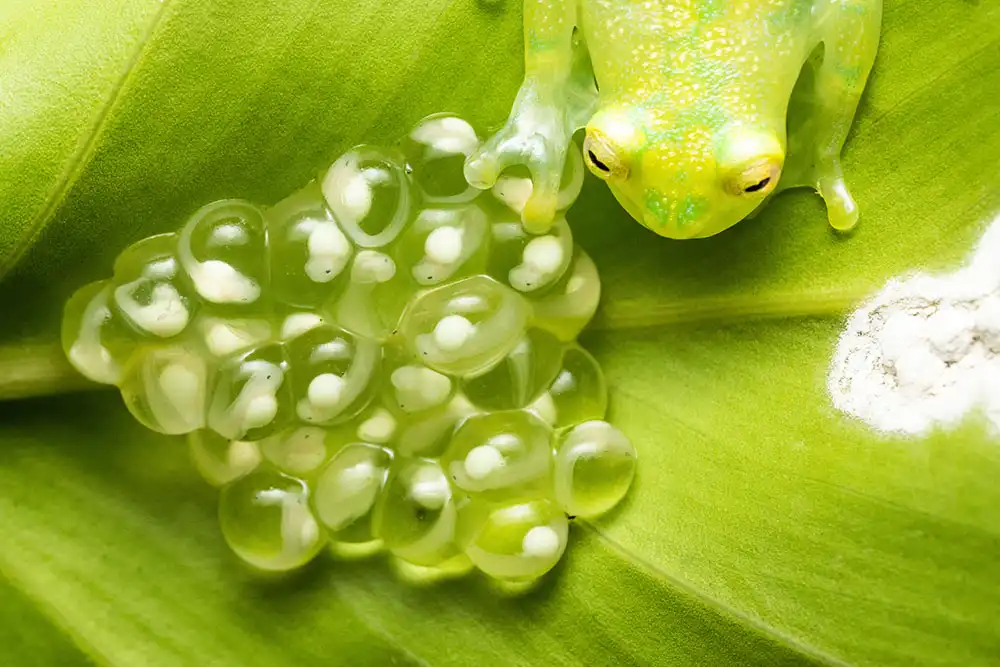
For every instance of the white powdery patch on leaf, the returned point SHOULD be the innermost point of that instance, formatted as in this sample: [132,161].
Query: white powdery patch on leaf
[924,352]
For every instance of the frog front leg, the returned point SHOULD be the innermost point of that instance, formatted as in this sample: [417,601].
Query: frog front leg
[556,98]
[849,32]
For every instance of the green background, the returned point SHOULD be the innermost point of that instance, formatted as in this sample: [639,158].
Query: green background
[763,528]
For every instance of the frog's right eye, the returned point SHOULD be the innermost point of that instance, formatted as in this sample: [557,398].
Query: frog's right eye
[758,178]
[602,159]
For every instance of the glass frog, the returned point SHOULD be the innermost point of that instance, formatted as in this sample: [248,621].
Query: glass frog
[696,111]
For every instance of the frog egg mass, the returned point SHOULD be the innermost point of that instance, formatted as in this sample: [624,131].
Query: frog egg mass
[386,357]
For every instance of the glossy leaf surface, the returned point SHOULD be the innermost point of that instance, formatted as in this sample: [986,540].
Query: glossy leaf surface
[763,528]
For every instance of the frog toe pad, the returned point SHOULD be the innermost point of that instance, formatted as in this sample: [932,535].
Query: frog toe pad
[544,158]
[841,208]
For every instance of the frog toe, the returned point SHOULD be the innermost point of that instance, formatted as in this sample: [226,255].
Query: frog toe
[542,157]
[483,167]
[506,149]
[540,210]
[841,208]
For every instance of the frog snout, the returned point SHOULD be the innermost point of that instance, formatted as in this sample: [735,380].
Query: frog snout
[669,228]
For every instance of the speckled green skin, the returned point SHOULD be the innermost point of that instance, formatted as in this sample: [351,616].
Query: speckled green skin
[698,119]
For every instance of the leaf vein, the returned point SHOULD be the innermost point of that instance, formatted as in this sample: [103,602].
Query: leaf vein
[719,607]
[82,157]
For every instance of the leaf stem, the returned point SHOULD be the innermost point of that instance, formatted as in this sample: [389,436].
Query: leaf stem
[38,369]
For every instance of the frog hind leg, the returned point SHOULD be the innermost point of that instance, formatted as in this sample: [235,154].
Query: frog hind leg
[824,103]
[557,97]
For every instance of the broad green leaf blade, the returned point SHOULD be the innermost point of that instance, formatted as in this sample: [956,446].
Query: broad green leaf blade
[117,539]
[880,550]
[209,100]
[921,161]
[59,84]
[27,634]
[764,528]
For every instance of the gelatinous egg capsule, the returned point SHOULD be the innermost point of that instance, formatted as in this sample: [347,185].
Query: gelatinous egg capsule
[266,520]
[417,516]
[252,398]
[568,306]
[95,338]
[408,385]
[526,262]
[223,249]
[429,432]
[369,193]
[503,452]
[579,392]
[375,425]
[347,488]
[220,460]
[523,375]
[151,292]
[374,297]
[444,244]
[334,374]
[436,150]
[166,388]
[518,541]
[309,253]
[513,188]
[465,327]
[594,467]
[298,450]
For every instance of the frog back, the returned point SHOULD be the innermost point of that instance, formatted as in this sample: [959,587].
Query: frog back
[741,57]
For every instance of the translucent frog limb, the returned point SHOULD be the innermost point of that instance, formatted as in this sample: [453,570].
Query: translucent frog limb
[827,101]
[556,99]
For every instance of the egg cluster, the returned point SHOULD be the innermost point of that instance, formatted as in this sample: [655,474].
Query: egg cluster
[384,358]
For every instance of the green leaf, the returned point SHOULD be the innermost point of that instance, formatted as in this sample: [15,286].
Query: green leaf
[764,527]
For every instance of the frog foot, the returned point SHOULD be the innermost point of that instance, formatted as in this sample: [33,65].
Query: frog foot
[826,177]
[841,209]
[537,140]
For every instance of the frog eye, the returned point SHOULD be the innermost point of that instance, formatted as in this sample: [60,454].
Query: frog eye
[602,159]
[758,178]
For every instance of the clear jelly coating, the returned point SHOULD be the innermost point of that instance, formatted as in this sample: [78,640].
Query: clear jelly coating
[166,388]
[436,150]
[465,327]
[530,263]
[519,541]
[152,293]
[500,452]
[347,489]
[384,358]
[266,519]
[223,249]
[578,392]
[221,460]
[418,515]
[299,450]
[521,377]
[594,467]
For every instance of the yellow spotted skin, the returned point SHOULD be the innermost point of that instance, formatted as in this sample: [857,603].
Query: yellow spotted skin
[696,111]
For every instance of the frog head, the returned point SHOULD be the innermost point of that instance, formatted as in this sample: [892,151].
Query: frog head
[688,183]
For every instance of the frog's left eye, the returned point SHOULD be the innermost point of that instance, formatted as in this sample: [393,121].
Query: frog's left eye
[758,178]
[602,159]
